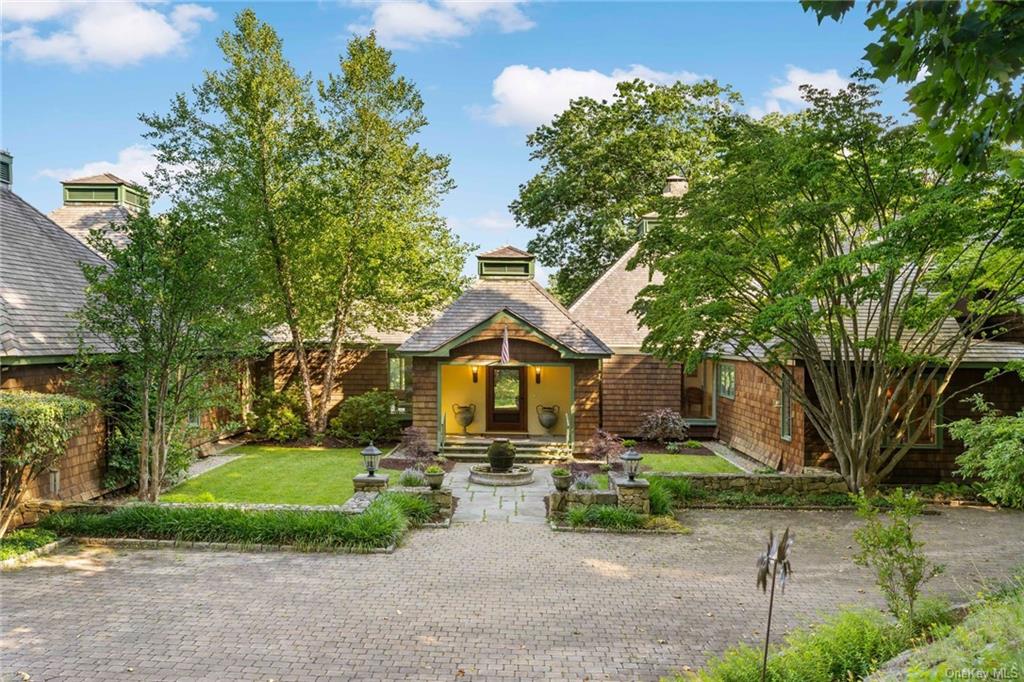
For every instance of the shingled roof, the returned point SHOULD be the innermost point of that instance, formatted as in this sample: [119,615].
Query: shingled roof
[80,220]
[101,179]
[507,251]
[41,283]
[522,298]
[605,306]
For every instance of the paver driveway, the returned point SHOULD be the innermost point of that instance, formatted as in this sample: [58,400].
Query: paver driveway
[477,601]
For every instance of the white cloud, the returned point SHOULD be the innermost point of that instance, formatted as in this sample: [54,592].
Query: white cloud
[404,25]
[110,34]
[488,222]
[133,163]
[786,96]
[529,96]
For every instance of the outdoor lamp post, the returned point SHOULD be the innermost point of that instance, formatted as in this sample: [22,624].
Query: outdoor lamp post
[371,455]
[631,463]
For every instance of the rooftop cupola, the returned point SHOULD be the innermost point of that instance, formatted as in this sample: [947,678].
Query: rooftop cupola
[505,262]
[105,189]
[6,169]
[675,186]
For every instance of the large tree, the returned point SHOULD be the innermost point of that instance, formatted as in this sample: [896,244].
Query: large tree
[604,163]
[388,256]
[332,202]
[174,324]
[830,239]
[965,64]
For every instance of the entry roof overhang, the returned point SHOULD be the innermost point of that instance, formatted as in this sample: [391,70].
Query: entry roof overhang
[503,315]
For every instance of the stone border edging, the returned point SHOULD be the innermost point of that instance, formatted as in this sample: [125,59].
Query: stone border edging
[638,531]
[24,558]
[144,543]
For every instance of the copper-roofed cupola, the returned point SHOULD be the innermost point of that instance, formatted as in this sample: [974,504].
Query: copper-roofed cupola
[505,262]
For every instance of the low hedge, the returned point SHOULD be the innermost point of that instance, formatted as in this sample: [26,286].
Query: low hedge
[18,542]
[682,492]
[383,524]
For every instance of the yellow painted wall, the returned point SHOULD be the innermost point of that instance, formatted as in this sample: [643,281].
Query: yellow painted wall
[457,387]
[553,389]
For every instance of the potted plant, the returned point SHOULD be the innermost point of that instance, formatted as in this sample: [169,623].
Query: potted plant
[562,479]
[434,475]
[501,455]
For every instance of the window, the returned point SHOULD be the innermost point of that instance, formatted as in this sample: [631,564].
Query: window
[194,418]
[786,406]
[400,382]
[908,418]
[727,380]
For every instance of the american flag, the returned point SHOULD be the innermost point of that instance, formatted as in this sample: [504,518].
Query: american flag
[504,346]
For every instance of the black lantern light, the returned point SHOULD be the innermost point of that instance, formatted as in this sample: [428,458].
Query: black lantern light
[371,455]
[631,463]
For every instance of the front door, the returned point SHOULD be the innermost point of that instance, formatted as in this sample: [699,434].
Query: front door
[506,398]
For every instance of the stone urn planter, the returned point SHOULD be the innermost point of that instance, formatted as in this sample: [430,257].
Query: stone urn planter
[464,415]
[501,455]
[434,476]
[562,479]
[547,416]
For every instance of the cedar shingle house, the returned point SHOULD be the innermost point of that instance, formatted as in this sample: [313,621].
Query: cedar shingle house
[41,288]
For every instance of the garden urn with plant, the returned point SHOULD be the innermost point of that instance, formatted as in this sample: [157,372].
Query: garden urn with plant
[501,455]
[562,479]
[434,475]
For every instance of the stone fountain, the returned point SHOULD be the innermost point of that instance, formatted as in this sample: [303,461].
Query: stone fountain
[501,467]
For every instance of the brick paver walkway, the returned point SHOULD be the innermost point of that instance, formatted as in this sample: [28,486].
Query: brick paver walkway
[477,601]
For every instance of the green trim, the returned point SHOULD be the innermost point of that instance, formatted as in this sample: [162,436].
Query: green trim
[105,194]
[502,268]
[36,360]
[445,349]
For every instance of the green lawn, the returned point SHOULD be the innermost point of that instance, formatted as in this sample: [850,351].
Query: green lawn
[692,464]
[276,475]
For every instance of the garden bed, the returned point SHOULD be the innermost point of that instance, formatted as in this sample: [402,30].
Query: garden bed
[20,546]
[613,519]
[380,526]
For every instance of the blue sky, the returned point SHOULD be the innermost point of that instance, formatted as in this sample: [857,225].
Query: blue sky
[75,76]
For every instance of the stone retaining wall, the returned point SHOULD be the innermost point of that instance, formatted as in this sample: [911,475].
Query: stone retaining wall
[785,484]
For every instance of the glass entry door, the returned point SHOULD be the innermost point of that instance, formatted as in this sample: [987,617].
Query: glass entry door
[506,398]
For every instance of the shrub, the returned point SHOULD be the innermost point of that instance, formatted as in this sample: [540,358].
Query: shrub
[847,646]
[24,540]
[663,425]
[604,516]
[673,448]
[34,432]
[364,418]
[605,445]
[660,497]
[628,443]
[890,548]
[411,478]
[994,453]
[382,524]
[693,444]
[415,444]
[680,489]
[279,416]
[931,613]
[584,481]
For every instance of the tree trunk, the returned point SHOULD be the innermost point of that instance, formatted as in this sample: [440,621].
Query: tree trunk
[144,438]
[334,351]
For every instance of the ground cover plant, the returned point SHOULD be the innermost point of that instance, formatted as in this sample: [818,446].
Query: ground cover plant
[276,475]
[846,646]
[990,642]
[604,516]
[383,524]
[24,540]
